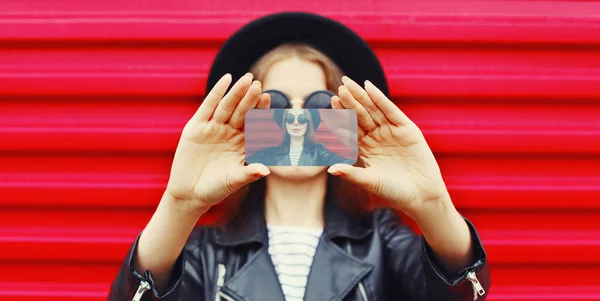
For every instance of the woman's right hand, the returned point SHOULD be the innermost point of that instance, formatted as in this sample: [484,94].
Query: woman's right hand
[209,161]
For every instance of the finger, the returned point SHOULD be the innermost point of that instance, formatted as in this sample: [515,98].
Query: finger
[228,104]
[338,112]
[248,102]
[336,103]
[389,109]
[243,175]
[207,108]
[264,102]
[364,118]
[363,97]
[357,175]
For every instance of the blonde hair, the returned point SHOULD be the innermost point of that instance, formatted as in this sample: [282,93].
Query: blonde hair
[352,198]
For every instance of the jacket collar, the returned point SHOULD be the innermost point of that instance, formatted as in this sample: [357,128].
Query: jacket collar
[338,223]
[284,148]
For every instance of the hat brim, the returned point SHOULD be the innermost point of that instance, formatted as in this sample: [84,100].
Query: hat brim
[348,50]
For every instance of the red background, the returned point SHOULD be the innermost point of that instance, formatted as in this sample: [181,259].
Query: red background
[94,94]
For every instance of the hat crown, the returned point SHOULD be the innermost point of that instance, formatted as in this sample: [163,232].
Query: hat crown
[342,45]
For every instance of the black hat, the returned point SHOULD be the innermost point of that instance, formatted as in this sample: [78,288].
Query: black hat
[314,114]
[348,50]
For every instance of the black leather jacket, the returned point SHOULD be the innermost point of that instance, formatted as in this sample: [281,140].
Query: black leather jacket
[367,259]
[312,155]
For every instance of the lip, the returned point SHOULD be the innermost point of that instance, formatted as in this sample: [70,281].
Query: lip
[296,130]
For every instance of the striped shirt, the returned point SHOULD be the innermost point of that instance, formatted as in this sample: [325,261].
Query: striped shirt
[295,155]
[292,250]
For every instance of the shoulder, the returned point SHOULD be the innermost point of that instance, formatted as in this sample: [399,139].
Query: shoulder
[201,236]
[385,215]
[389,224]
[320,149]
[267,151]
[263,153]
[319,146]
[323,150]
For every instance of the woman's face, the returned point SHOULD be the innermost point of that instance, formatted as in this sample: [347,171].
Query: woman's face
[297,78]
[296,122]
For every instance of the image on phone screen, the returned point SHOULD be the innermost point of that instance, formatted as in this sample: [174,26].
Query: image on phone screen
[301,137]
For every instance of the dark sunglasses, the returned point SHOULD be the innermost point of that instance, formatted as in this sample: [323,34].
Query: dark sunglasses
[316,100]
[290,118]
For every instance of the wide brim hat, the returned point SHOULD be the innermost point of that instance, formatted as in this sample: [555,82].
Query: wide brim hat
[347,49]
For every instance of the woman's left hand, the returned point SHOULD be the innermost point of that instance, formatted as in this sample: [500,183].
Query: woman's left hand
[399,165]
[400,168]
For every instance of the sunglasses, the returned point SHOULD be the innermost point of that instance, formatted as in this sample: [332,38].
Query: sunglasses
[290,119]
[320,99]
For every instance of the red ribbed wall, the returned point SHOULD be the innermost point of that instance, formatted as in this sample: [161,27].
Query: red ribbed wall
[94,94]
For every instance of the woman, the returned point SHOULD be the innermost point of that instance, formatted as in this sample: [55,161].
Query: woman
[298,146]
[303,232]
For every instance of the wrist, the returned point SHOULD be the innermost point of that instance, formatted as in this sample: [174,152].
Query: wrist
[182,206]
[440,208]
[446,232]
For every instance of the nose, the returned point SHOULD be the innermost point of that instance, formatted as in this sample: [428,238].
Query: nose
[297,103]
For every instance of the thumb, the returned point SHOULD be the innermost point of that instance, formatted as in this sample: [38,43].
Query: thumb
[246,174]
[357,175]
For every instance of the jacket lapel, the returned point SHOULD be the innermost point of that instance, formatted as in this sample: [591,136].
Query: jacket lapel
[333,273]
[283,157]
[305,160]
[284,161]
[257,280]
[307,157]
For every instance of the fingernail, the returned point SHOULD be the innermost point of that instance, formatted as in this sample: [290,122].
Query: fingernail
[333,170]
[368,83]
[249,75]
[264,171]
[344,79]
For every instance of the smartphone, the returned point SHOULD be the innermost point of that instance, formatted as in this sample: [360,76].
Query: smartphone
[301,137]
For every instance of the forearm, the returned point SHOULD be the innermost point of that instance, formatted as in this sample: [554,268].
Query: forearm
[164,238]
[447,233]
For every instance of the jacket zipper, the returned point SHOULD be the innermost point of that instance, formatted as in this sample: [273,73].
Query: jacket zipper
[477,287]
[220,295]
[363,293]
[144,287]
[220,281]
[361,287]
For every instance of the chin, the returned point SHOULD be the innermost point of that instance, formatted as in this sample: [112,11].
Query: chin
[296,135]
[297,172]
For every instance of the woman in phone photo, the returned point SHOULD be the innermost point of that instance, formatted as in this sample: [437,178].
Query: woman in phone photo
[291,233]
[298,146]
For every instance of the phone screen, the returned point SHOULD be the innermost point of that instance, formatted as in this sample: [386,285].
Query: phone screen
[301,137]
